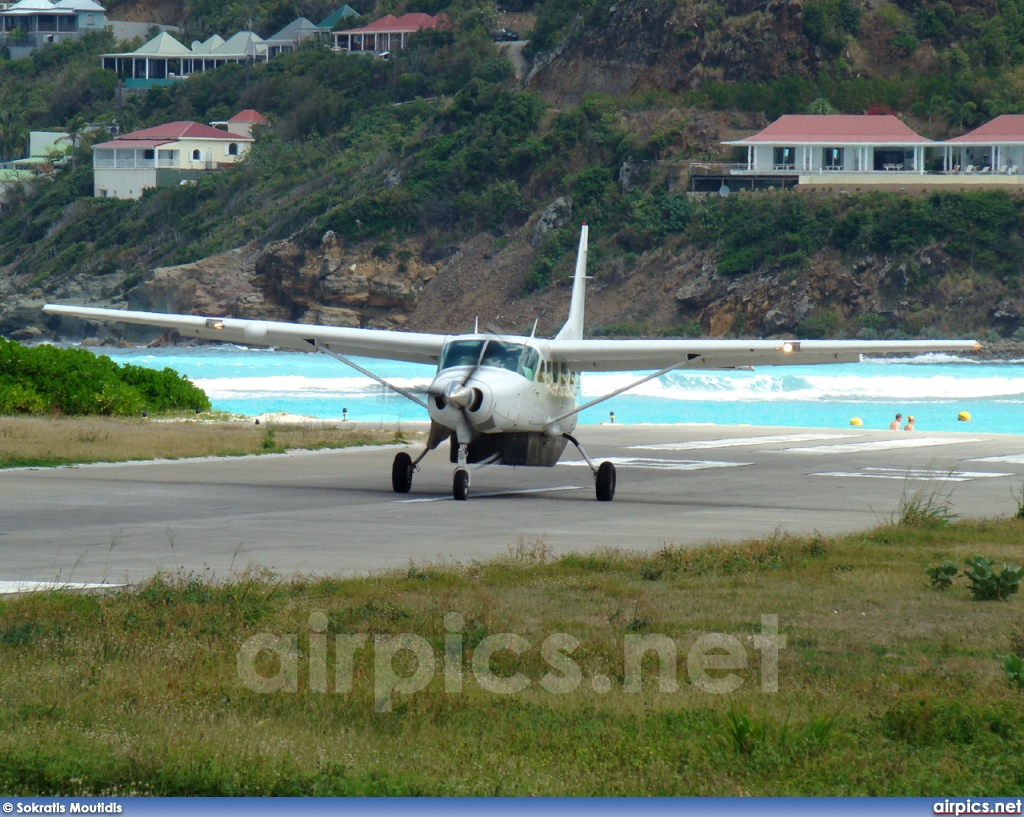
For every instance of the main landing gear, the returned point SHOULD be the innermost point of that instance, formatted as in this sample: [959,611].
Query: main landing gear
[604,474]
[404,467]
[401,473]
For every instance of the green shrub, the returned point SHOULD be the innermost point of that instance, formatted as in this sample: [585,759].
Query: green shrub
[986,584]
[41,379]
[1013,666]
[943,575]
[16,398]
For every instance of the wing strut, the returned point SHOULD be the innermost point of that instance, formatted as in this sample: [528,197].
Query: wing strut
[368,373]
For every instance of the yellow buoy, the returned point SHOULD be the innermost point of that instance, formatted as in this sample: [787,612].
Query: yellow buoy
[964,417]
[856,421]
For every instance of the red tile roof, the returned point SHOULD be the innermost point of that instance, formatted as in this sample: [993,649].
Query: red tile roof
[249,115]
[181,130]
[835,129]
[1002,129]
[127,142]
[390,24]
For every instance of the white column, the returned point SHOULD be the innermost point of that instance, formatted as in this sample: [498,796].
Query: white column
[750,158]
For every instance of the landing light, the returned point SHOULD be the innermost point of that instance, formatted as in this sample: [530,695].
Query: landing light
[214,323]
[790,346]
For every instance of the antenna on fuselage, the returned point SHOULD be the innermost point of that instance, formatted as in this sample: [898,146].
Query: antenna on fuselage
[476,325]
[533,332]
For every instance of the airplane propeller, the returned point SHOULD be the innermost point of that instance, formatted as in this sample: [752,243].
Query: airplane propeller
[461,396]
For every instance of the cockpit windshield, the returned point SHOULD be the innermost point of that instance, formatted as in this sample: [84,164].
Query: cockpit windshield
[515,357]
[461,353]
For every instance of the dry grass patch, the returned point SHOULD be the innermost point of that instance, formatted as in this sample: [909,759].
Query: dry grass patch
[140,691]
[43,441]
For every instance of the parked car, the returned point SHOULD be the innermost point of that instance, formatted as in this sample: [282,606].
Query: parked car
[504,35]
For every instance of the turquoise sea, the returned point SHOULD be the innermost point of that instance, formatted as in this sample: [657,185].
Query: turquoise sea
[933,388]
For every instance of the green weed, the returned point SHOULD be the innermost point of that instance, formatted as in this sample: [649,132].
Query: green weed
[986,584]
[943,575]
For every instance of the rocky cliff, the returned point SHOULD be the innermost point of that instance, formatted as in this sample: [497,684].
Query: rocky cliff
[670,45]
[668,290]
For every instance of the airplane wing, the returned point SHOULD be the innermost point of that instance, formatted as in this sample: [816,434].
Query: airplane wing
[413,347]
[643,355]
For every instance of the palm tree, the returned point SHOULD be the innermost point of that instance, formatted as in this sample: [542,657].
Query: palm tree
[74,132]
[13,135]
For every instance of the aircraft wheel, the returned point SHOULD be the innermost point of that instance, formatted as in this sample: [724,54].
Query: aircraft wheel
[401,473]
[460,485]
[605,482]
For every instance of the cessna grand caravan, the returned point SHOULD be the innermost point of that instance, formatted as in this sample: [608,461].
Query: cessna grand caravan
[510,399]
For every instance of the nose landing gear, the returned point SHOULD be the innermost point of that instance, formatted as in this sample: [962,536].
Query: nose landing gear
[460,482]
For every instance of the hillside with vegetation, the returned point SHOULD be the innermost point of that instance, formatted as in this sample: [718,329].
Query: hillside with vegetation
[435,187]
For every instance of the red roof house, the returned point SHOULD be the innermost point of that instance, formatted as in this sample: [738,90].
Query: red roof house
[995,147]
[803,144]
[389,33]
[173,153]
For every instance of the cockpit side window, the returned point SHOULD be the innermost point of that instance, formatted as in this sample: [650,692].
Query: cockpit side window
[528,361]
[461,353]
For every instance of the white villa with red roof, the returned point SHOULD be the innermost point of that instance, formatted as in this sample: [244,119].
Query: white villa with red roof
[996,147]
[170,154]
[801,145]
[389,33]
[876,151]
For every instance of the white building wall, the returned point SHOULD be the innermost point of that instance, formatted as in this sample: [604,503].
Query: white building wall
[122,183]
[763,158]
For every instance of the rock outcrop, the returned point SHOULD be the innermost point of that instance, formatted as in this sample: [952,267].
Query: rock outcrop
[330,284]
[672,45]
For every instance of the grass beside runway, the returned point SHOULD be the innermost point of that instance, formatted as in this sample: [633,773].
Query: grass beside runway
[885,687]
[51,441]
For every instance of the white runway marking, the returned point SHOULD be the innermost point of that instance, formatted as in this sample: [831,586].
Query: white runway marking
[662,465]
[730,442]
[880,445]
[1015,459]
[493,493]
[921,474]
[8,588]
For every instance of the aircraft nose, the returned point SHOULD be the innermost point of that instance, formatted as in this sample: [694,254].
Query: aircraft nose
[459,395]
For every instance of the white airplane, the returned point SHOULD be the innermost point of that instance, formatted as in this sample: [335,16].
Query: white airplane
[511,399]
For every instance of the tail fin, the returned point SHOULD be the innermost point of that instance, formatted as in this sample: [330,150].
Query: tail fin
[573,329]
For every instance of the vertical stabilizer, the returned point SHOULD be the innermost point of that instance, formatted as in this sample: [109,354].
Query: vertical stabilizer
[573,329]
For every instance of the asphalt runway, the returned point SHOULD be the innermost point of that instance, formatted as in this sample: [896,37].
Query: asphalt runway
[334,512]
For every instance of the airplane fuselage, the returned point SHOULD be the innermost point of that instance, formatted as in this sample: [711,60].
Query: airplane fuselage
[501,386]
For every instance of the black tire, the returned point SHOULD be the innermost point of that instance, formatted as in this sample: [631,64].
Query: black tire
[401,473]
[460,485]
[605,482]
